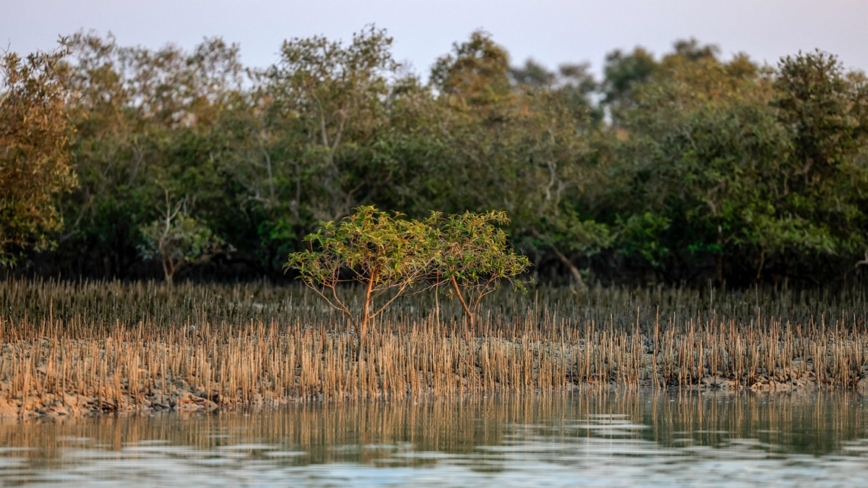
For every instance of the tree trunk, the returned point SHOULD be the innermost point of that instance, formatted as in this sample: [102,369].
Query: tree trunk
[574,271]
[759,270]
[366,314]
[168,270]
[470,315]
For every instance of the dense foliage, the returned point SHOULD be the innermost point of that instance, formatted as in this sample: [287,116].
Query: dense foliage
[682,168]
[391,256]
[34,134]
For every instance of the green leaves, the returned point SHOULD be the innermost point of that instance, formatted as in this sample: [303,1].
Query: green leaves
[386,254]
[176,239]
[643,235]
[34,151]
[821,108]
[323,108]
[747,165]
[371,246]
[146,120]
[184,239]
[474,249]
[476,73]
[390,255]
[699,163]
[473,255]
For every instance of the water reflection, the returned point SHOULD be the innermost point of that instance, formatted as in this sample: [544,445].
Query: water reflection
[608,439]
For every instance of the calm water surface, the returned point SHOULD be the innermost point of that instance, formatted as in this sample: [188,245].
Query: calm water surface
[610,439]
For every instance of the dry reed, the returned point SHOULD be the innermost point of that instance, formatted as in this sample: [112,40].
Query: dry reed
[110,346]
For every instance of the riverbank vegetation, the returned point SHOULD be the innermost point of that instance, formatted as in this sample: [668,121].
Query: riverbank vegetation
[676,168]
[709,215]
[390,257]
[71,349]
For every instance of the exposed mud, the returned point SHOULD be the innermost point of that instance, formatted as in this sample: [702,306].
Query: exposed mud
[189,396]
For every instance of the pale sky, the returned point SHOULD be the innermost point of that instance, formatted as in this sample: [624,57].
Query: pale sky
[550,31]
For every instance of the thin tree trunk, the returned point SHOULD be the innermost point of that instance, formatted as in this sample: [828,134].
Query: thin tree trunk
[366,315]
[168,270]
[437,299]
[574,271]
[470,314]
[759,270]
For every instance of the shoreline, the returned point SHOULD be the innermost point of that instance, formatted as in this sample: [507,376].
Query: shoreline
[74,349]
[51,407]
[542,367]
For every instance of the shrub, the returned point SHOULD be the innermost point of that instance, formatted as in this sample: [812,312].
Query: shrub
[390,256]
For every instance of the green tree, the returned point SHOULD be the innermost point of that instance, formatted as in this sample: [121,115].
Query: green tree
[747,166]
[527,150]
[473,256]
[390,256]
[824,109]
[623,72]
[176,238]
[34,152]
[325,106]
[385,254]
[702,143]
[144,116]
[532,74]
[304,149]
[476,73]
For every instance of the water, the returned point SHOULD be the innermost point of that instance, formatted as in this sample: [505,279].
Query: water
[608,439]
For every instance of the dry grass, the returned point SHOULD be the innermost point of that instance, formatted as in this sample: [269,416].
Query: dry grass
[118,347]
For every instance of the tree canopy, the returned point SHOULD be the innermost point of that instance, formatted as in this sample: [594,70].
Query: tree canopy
[35,135]
[679,167]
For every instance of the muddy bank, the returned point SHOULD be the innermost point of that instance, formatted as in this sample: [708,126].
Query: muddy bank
[178,397]
[72,349]
[59,379]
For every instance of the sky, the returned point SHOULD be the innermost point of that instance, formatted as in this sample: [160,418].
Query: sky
[549,31]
